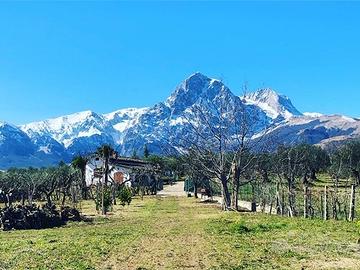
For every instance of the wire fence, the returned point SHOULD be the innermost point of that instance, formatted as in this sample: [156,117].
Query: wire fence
[326,202]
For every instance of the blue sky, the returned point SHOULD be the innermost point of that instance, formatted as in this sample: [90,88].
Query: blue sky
[58,58]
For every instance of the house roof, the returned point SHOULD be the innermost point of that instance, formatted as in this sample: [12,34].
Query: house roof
[131,163]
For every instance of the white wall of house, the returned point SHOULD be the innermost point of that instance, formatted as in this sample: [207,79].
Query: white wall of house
[94,164]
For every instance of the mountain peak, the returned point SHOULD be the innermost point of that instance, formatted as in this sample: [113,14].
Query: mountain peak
[4,124]
[193,89]
[80,116]
[195,82]
[275,105]
[197,75]
[265,95]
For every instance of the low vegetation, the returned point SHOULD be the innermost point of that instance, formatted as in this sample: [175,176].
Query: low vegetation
[180,233]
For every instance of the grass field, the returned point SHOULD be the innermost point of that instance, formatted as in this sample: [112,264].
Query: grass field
[181,233]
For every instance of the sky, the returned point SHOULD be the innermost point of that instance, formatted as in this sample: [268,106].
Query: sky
[62,57]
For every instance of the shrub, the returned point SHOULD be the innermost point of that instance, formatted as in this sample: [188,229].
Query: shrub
[107,199]
[125,196]
[70,214]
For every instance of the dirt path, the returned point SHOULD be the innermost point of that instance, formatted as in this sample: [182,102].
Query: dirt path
[174,190]
[177,190]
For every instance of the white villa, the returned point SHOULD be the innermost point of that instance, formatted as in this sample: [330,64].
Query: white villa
[125,171]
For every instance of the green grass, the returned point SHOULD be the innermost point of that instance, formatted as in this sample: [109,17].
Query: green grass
[180,233]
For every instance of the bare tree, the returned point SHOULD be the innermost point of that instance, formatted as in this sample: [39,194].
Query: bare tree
[221,138]
[30,182]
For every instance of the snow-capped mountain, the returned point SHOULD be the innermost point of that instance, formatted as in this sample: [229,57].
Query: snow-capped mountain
[162,126]
[168,122]
[277,107]
[123,120]
[13,141]
[77,133]
[323,130]
[17,149]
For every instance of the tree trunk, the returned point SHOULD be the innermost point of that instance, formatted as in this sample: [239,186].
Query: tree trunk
[313,175]
[84,188]
[283,203]
[352,204]
[48,199]
[278,205]
[253,202]
[8,200]
[63,199]
[195,189]
[103,210]
[235,190]
[104,185]
[291,198]
[225,194]
[114,187]
[235,196]
[30,196]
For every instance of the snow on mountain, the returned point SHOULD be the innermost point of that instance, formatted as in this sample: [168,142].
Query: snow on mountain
[124,119]
[14,141]
[67,128]
[165,124]
[195,88]
[129,113]
[312,114]
[277,107]
[323,130]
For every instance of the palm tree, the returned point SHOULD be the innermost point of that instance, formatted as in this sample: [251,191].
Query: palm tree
[105,152]
[79,162]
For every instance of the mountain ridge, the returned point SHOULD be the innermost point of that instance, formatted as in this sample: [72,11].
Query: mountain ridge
[162,125]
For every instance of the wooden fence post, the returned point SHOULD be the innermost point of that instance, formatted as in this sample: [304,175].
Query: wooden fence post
[325,204]
[305,201]
[283,203]
[352,204]
[310,208]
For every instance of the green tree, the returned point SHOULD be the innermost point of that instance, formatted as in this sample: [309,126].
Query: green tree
[134,154]
[105,152]
[9,184]
[49,182]
[79,162]
[125,195]
[346,161]
[314,160]
[146,151]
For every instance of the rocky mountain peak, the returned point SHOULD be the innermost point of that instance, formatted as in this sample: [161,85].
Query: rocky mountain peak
[196,88]
[275,105]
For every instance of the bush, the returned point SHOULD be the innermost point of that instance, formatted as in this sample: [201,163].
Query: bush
[107,199]
[70,214]
[125,196]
